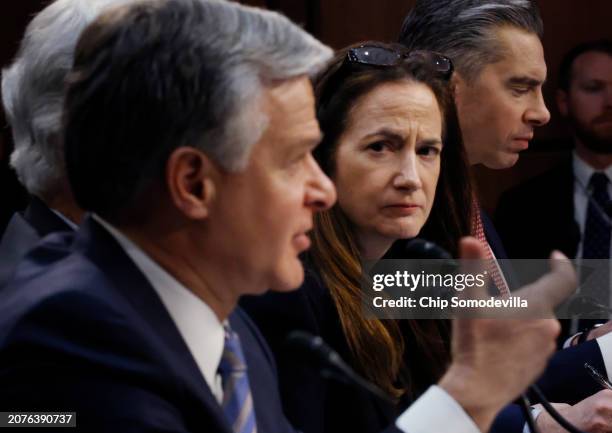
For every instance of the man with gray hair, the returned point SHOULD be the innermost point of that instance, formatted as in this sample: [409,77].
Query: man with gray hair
[499,62]
[33,97]
[189,130]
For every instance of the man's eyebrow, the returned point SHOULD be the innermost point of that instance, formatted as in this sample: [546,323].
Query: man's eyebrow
[525,80]
[311,141]
[594,80]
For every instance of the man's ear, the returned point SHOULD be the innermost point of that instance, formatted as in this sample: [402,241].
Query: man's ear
[190,175]
[562,102]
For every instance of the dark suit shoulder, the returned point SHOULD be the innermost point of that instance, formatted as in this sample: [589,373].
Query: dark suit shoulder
[536,190]
[76,345]
[68,318]
[537,216]
[16,241]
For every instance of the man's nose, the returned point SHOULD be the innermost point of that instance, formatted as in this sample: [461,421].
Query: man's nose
[320,191]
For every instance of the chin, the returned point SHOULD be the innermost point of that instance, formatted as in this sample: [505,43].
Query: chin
[406,231]
[289,279]
[502,161]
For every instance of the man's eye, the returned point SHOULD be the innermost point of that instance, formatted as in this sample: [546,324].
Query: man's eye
[378,146]
[521,90]
[592,88]
[297,160]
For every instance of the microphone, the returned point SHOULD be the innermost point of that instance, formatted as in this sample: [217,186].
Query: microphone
[333,366]
[418,248]
[331,363]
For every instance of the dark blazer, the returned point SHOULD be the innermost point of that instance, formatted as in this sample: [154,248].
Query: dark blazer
[23,233]
[496,244]
[82,330]
[314,404]
[537,216]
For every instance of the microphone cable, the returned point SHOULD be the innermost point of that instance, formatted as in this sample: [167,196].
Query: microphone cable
[526,409]
[553,412]
[333,366]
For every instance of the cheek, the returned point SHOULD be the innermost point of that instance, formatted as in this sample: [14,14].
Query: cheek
[430,174]
[359,192]
[585,108]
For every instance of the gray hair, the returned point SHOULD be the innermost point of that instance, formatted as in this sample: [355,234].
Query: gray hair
[176,73]
[33,90]
[464,30]
[253,48]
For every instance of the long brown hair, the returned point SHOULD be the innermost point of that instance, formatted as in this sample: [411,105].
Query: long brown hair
[376,345]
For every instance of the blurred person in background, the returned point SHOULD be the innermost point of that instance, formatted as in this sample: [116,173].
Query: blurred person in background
[33,88]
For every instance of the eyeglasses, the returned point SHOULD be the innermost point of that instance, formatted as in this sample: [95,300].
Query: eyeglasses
[381,57]
[371,55]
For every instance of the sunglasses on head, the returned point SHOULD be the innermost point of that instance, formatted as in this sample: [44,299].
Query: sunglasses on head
[372,55]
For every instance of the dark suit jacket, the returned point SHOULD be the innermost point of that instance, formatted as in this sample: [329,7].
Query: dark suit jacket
[537,216]
[23,233]
[81,329]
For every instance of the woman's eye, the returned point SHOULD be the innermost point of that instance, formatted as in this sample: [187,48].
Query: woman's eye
[429,151]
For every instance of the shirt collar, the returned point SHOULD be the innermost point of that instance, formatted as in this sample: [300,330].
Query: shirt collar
[197,323]
[61,216]
[583,171]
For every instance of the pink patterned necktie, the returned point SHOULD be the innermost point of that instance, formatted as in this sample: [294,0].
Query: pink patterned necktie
[492,266]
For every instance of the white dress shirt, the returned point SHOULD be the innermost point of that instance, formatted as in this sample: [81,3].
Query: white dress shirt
[436,412]
[198,325]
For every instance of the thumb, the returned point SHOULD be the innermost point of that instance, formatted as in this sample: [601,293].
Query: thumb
[473,255]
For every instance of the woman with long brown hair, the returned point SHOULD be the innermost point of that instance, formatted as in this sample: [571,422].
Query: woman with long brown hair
[392,146]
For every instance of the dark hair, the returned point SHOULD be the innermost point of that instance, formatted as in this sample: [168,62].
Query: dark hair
[462,29]
[565,70]
[157,75]
[377,345]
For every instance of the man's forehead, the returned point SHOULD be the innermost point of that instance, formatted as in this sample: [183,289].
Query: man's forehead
[594,64]
[291,110]
[522,53]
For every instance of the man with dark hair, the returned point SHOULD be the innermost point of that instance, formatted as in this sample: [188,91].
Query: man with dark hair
[500,69]
[189,127]
[569,205]
[499,72]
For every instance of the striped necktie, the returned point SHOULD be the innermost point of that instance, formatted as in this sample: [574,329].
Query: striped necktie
[492,266]
[237,401]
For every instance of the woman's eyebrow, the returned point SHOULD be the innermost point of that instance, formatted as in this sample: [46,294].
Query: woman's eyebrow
[388,133]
